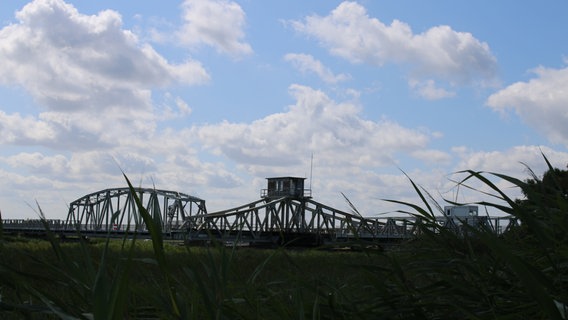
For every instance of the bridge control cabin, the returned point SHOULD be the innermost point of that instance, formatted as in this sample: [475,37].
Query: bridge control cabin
[286,187]
[462,214]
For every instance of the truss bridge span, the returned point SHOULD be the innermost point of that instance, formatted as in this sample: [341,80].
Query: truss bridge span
[306,222]
[116,210]
[292,219]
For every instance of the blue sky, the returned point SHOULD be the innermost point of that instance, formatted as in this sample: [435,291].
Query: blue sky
[212,97]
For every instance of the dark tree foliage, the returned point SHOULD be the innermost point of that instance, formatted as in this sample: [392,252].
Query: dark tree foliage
[546,201]
[550,190]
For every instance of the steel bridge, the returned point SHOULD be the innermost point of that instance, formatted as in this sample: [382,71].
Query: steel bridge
[303,221]
[116,209]
[286,213]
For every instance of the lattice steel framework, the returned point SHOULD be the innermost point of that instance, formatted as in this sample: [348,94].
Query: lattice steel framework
[268,219]
[263,220]
[116,210]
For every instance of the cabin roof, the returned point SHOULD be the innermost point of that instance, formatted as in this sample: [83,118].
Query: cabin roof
[280,178]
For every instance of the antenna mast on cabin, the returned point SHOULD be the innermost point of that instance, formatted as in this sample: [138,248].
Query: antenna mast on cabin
[311,170]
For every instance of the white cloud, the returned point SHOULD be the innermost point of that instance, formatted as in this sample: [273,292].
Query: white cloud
[428,90]
[172,108]
[317,124]
[307,63]
[510,161]
[71,61]
[440,53]
[541,102]
[183,107]
[94,78]
[38,163]
[216,23]
[15,129]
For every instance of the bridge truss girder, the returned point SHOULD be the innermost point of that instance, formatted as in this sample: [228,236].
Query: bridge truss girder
[264,219]
[116,210]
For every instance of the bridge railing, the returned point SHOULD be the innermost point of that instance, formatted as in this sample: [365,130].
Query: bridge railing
[32,224]
[306,193]
[56,225]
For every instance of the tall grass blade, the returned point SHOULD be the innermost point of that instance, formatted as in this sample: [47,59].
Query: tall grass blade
[157,244]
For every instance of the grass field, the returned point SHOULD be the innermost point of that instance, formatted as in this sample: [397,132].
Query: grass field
[212,282]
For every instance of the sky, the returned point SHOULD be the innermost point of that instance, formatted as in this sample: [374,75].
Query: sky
[211,97]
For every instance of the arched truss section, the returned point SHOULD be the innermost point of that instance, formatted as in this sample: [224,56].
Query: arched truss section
[116,210]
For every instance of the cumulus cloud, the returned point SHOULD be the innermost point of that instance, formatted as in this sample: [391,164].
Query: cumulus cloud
[428,90]
[306,63]
[68,60]
[38,163]
[439,53]
[24,130]
[216,23]
[315,123]
[96,165]
[510,161]
[93,78]
[541,102]
[172,108]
